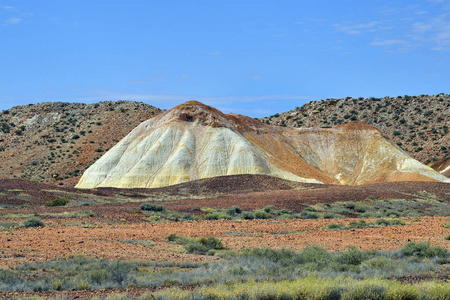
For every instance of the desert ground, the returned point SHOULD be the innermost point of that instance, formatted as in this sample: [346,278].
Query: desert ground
[110,224]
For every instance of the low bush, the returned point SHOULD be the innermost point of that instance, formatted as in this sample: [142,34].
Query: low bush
[32,222]
[262,214]
[202,245]
[57,202]
[309,215]
[153,207]
[352,256]
[422,249]
[335,226]
[234,210]
[248,216]
[216,216]
[269,208]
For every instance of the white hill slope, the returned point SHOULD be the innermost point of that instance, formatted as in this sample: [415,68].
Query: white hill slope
[194,141]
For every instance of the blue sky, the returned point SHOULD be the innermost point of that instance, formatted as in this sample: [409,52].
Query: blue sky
[250,57]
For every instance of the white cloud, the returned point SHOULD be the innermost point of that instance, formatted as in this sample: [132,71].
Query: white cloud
[400,29]
[357,28]
[9,8]
[380,42]
[216,52]
[434,32]
[185,76]
[12,21]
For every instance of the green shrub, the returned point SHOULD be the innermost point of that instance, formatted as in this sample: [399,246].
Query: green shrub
[248,216]
[269,208]
[234,210]
[330,215]
[180,240]
[204,245]
[32,222]
[309,215]
[153,207]
[57,202]
[216,216]
[188,217]
[422,249]
[283,212]
[360,224]
[261,214]
[350,205]
[334,226]
[352,256]
[286,217]
[315,254]
[382,222]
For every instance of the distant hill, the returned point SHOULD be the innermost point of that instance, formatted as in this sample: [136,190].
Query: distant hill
[418,124]
[56,142]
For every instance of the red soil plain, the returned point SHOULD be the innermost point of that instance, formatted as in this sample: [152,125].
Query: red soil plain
[103,235]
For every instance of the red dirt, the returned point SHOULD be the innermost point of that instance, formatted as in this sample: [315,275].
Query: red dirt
[61,240]
[114,223]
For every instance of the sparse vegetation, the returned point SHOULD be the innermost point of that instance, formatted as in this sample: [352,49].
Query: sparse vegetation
[32,222]
[312,270]
[58,202]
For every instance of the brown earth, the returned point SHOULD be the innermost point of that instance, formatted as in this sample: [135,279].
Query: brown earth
[114,222]
[103,235]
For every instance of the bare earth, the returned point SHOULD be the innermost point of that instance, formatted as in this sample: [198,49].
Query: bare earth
[57,240]
[114,223]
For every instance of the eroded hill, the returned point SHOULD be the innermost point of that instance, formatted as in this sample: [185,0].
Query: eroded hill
[194,141]
[418,124]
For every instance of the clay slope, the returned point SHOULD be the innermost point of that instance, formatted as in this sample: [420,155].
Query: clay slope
[442,166]
[418,124]
[56,142]
[194,141]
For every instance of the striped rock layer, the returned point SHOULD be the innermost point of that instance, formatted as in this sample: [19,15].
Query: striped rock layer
[194,141]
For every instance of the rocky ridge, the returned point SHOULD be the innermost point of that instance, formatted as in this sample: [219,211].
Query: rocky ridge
[418,124]
[56,142]
[194,141]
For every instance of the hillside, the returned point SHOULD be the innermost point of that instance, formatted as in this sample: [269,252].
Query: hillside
[419,125]
[194,141]
[56,142]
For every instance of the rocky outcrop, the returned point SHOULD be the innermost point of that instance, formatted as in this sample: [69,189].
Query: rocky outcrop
[194,141]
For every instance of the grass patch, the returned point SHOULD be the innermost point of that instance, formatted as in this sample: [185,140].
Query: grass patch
[73,214]
[250,267]
[363,224]
[147,244]
[314,288]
